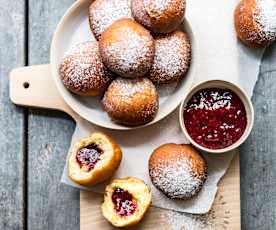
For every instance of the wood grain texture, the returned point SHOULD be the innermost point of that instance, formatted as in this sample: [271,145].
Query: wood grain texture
[12,54]
[258,154]
[50,204]
[53,206]
[225,213]
[33,86]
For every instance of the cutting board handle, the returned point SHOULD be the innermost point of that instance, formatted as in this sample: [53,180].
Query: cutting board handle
[33,86]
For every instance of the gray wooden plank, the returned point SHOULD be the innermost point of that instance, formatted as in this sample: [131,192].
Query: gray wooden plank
[258,154]
[51,205]
[12,54]
[268,62]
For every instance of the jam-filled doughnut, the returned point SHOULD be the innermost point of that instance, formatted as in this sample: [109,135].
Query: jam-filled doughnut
[94,159]
[172,57]
[159,16]
[126,201]
[102,13]
[179,171]
[83,72]
[127,48]
[131,101]
[255,22]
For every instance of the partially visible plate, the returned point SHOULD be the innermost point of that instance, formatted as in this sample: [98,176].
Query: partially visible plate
[74,28]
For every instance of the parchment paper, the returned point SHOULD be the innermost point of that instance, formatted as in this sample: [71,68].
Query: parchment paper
[219,56]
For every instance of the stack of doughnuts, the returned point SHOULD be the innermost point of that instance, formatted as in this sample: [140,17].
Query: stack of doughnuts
[138,47]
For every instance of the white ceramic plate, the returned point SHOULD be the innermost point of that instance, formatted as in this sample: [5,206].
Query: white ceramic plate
[74,28]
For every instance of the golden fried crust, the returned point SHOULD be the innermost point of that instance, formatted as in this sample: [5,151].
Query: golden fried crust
[177,170]
[103,13]
[172,58]
[159,18]
[141,194]
[247,28]
[83,72]
[170,152]
[127,48]
[131,101]
[104,168]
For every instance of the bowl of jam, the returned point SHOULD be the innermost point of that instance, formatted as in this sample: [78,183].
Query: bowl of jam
[216,116]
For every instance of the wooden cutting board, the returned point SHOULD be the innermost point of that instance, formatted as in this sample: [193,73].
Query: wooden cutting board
[33,86]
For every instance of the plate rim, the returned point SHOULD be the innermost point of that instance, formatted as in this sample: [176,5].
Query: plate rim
[75,106]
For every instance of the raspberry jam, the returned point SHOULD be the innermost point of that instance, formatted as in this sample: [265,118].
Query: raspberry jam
[215,118]
[124,204]
[89,156]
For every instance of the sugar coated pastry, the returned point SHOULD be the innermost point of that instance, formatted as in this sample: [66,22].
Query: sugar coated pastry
[94,159]
[255,22]
[172,57]
[83,72]
[179,171]
[127,48]
[131,101]
[102,13]
[126,201]
[159,16]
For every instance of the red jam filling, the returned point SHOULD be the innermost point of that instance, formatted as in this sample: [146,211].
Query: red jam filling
[89,156]
[124,204]
[215,118]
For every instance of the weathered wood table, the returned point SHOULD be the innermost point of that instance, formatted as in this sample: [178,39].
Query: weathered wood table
[34,143]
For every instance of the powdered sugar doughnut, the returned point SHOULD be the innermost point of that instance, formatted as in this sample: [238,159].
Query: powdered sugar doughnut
[102,13]
[159,16]
[255,22]
[131,101]
[82,70]
[172,58]
[127,48]
[179,171]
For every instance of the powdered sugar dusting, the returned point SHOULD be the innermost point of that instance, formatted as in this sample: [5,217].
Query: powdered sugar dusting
[215,219]
[129,87]
[158,7]
[83,48]
[139,13]
[159,15]
[131,55]
[265,16]
[121,98]
[102,13]
[172,57]
[176,178]
[82,69]
[185,221]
